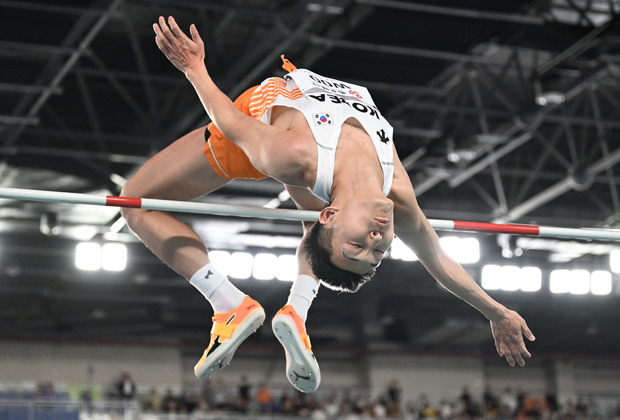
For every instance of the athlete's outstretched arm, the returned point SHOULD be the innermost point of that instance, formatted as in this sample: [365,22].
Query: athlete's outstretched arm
[257,139]
[413,228]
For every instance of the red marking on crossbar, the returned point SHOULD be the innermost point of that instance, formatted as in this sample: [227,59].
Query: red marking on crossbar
[497,228]
[114,201]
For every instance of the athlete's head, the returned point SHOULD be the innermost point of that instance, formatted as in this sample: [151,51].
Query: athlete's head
[348,243]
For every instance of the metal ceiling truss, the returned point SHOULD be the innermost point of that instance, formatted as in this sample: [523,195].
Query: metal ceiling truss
[498,101]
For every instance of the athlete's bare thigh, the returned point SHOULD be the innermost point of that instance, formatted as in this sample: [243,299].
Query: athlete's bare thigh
[179,172]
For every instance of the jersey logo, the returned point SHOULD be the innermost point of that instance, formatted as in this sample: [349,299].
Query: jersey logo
[382,137]
[356,94]
[322,119]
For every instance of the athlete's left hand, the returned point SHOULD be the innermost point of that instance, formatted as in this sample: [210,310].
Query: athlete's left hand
[185,53]
[508,330]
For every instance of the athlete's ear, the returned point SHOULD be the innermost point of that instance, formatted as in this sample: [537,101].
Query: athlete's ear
[326,214]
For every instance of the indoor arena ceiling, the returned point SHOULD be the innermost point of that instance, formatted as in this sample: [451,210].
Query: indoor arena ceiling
[503,111]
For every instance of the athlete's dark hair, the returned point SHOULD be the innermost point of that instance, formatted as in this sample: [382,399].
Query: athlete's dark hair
[317,245]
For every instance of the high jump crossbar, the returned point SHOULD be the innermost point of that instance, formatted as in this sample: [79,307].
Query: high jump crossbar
[295,215]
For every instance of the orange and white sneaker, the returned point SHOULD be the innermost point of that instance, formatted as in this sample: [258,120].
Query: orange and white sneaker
[229,330]
[302,369]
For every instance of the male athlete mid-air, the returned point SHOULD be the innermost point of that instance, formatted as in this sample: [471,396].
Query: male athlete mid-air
[327,142]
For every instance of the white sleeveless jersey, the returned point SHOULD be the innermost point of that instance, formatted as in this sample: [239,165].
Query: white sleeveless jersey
[326,104]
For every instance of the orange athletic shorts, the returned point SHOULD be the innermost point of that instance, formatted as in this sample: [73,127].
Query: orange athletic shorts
[226,158]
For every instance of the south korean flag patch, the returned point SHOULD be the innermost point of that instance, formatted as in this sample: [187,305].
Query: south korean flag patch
[322,119]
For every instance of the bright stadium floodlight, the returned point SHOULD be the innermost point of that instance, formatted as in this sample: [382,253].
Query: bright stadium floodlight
[221,261]
[600,282]
[240,265]
[463,250]
[400,251]
[286,267]
[579,282]
[113,256]
[559,281]
[511,278]
[531,279]
[614,260]
[265,265]
[88,256]
[491,277]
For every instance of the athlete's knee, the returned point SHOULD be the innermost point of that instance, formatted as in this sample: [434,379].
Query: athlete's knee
[132,216]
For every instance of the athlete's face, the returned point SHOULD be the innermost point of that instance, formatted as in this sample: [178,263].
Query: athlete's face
[361,234]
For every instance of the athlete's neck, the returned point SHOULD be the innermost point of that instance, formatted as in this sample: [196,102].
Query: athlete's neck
[356,182]
[357,171]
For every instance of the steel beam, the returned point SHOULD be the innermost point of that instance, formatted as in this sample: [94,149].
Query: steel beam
[49,8]
[23,48]
[14,87]
[392,49]
[73,153]
[489,159]
[560,188]
[11,120]
[456,12]
[77,53]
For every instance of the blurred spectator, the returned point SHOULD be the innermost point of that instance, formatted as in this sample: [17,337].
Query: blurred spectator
[208,394]
[428,411]
[508,402]
[153,401]
[380,408]
[490,406]
[186,403]
[419,404]
[331,408]
[394,392]
[300,407]
[467,407]
[317,411]
[445,410]
[126,387]
[286,404]
[521,395]
[551,399]
[169,403]
[222,396]
[264,399]
[244,394]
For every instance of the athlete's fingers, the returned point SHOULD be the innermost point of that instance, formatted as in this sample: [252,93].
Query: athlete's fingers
[523,350]
[518,357]
[509,358]
[167,33]
[160,37]
[178,33]
[195,35]
[499,347]
[161,46]
[527,332]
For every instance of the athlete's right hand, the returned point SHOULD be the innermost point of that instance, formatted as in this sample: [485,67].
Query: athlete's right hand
[186,54]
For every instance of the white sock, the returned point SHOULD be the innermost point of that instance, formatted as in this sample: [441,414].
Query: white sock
[302,294]
[219,291]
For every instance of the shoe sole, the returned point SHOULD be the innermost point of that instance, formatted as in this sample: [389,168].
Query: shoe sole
[302,370]
[223,354]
